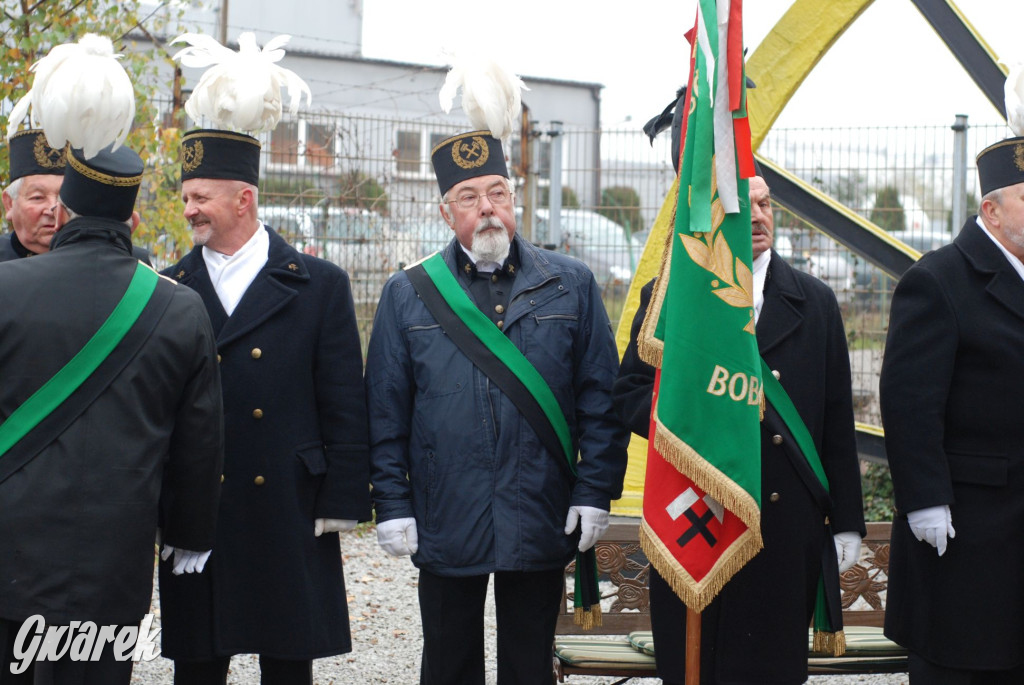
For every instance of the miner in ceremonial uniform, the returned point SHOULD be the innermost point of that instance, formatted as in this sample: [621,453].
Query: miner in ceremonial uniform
[950,389]
[296,467]
[470,476]
[110,406]
[756,630]
[30,197]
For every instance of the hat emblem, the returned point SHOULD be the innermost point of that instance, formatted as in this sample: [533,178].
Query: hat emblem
[191,155]
[46,156]
[1018,156]
[471,153]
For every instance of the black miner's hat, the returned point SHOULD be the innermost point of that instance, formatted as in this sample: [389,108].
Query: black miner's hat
[31,155]
[105,185]
[212,153]
[1001,165]
[465,156]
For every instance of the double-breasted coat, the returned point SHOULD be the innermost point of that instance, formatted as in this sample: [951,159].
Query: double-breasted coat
[295,451]
[78,522]
[950,391]
[755,631]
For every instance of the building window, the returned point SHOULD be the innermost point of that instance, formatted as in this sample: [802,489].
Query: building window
[408,155]
[284,143]
[321,147]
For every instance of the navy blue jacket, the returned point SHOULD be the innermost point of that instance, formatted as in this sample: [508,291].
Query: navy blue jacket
[295,450]
[451,450]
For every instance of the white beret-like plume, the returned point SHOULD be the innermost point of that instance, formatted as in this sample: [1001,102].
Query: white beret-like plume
[1014,92]
[81,95]
[491,95]
[240,91]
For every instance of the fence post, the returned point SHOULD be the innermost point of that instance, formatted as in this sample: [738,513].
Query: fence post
[959,172]
[555,187]
[530,149]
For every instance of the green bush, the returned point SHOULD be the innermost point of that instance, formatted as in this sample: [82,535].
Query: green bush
[877,486]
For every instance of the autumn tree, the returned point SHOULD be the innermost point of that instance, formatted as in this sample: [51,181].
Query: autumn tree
[30,28]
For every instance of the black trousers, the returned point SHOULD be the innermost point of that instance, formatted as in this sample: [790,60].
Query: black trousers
[272,671]
[452,611]
[926,673]
[106,671]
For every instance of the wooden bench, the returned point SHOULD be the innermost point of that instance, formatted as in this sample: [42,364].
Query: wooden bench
[623,647]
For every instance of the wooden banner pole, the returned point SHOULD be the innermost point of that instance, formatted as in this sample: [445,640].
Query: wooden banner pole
[692,647]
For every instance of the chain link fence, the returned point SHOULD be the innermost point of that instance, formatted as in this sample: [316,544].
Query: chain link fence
[360,192]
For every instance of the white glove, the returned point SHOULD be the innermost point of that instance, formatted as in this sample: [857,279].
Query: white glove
[398,537]
[932,525]
[321,526]
[185,560]
[847,549]
[593,523]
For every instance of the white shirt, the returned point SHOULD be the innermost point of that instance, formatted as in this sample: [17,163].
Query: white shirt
[1014,261]
[232,275]
[760,266]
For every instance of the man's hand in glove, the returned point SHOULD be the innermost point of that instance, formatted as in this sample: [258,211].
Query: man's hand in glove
[185,560]
[593,523]
[321,526]
[932,525]
[398,537]
[847,549]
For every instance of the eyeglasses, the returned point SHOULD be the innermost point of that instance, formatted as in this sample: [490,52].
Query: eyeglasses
[497,197]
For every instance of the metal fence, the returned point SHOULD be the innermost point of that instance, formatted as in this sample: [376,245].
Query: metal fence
[359,191]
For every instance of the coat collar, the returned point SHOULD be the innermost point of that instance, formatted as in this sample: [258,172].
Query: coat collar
[271,290]
[780,314]
[534,270]
[1005,284]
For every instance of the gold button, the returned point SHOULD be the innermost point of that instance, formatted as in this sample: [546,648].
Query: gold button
[499,309]
[826,520]
[257,413]
[494,278]
[222,478]
[776,374]
[774,497]
[218,359]
[776,439]
[501,325]
[256,353]
[259,480]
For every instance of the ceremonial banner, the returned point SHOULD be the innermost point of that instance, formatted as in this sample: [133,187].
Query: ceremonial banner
[701,509]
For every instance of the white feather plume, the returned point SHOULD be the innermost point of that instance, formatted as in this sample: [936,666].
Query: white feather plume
[491,95]
[240,91]
[80,95]
[1014,92]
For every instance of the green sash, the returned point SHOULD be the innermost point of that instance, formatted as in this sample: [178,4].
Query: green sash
[50,396]
[494,354]
[827,638]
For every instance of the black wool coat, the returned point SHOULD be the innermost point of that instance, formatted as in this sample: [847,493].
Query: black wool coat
[295,450]
[950,391]
[755,631]
[78,522]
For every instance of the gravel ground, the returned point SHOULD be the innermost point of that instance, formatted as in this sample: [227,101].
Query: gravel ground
[386,632]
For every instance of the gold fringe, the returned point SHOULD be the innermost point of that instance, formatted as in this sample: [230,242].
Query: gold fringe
[649,348]
[708,478]
[588,619]
[697,595]
[829,643]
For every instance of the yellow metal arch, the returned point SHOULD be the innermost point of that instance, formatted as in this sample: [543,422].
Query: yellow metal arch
[778,66]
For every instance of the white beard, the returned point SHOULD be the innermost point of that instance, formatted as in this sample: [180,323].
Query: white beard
[490,245]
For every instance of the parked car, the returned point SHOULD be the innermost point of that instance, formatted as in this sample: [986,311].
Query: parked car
[923,241]
[594,239]
[295,223]
[361,241]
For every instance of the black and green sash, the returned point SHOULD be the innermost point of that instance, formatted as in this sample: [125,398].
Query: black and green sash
[36,423]
[499,359]
[828,636]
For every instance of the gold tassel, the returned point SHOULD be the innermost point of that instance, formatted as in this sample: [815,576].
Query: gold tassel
[588,619]
[829,643]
